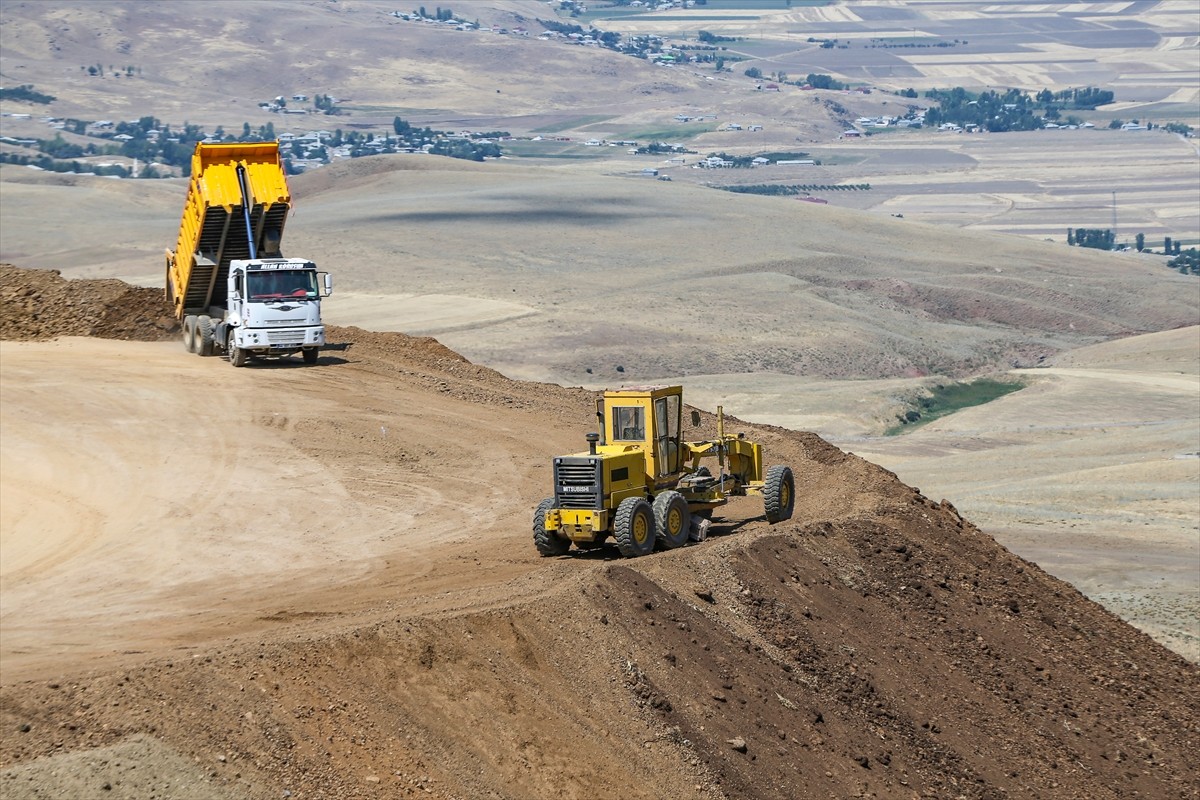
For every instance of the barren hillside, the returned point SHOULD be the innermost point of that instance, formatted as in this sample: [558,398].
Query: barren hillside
[377,623]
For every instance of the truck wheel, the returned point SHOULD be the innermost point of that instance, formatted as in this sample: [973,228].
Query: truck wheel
[205,345]
[189,333]
[779,494]
[310,356]
[633,528]
[671,519]
[548,543]
[237,356]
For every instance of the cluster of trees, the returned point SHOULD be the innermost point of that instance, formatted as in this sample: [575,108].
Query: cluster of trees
[49,164]
[326,104]
[174,148]
[813,79]
[818,81]
[97,70]
[465,149]
[1187,262]
[610,39]
[1086,98]
[1098,238]
[888,43]
[992,111]
[712,38]
[56,154]
[441,144]
[658,148]
[1014,110]
[26,93]
[440,14]
[789,190]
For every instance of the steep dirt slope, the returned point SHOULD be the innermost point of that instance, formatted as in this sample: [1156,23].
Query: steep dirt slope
[876,645]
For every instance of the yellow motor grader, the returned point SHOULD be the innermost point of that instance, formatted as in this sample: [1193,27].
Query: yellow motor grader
[643,485]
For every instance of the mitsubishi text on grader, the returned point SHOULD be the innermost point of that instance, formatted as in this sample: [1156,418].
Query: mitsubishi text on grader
[644,486]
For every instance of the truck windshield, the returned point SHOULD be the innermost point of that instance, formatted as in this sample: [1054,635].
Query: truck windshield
[273,284]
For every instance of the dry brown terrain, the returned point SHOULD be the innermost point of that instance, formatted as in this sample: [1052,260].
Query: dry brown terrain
[376,622]
[318,581]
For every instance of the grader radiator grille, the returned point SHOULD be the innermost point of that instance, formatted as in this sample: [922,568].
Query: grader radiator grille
[577,483]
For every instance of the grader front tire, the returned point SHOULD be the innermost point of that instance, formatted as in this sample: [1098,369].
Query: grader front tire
[548,543]
[633,527]
[672,520]
[779,494]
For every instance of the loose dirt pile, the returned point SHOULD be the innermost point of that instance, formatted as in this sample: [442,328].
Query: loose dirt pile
[41,304]
[876,645]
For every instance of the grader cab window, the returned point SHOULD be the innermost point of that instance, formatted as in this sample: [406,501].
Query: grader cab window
[629,424]
[667,421]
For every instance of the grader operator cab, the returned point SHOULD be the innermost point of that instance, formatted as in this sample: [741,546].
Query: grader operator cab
[644,486]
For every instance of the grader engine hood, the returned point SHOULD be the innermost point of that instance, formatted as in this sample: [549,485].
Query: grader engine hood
[586,481]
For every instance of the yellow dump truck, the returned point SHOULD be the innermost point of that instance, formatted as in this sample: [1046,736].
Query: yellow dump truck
[646,487]
[232,290]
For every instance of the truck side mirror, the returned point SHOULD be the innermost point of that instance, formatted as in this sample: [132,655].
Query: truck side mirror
[328,283]
[695,418]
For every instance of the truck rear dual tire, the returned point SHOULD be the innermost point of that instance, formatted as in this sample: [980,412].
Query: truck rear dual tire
[672,520]
[633,527]
[204,344]
[779,494]
[548,543]
[189,333]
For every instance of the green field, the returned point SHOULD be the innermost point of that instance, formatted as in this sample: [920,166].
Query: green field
[402,112]
[945,399]
[680,133]
[572,123]
[702,18]
[523,148]
[762,5]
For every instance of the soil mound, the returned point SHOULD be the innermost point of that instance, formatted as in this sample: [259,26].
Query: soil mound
[876,645]
[41,304]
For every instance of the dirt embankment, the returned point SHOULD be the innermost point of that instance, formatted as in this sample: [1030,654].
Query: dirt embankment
[876,645]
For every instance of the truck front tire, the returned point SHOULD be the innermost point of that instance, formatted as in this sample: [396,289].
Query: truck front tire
[237,356]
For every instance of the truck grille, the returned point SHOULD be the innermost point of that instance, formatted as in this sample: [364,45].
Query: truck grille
[285,337]
[578,483]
